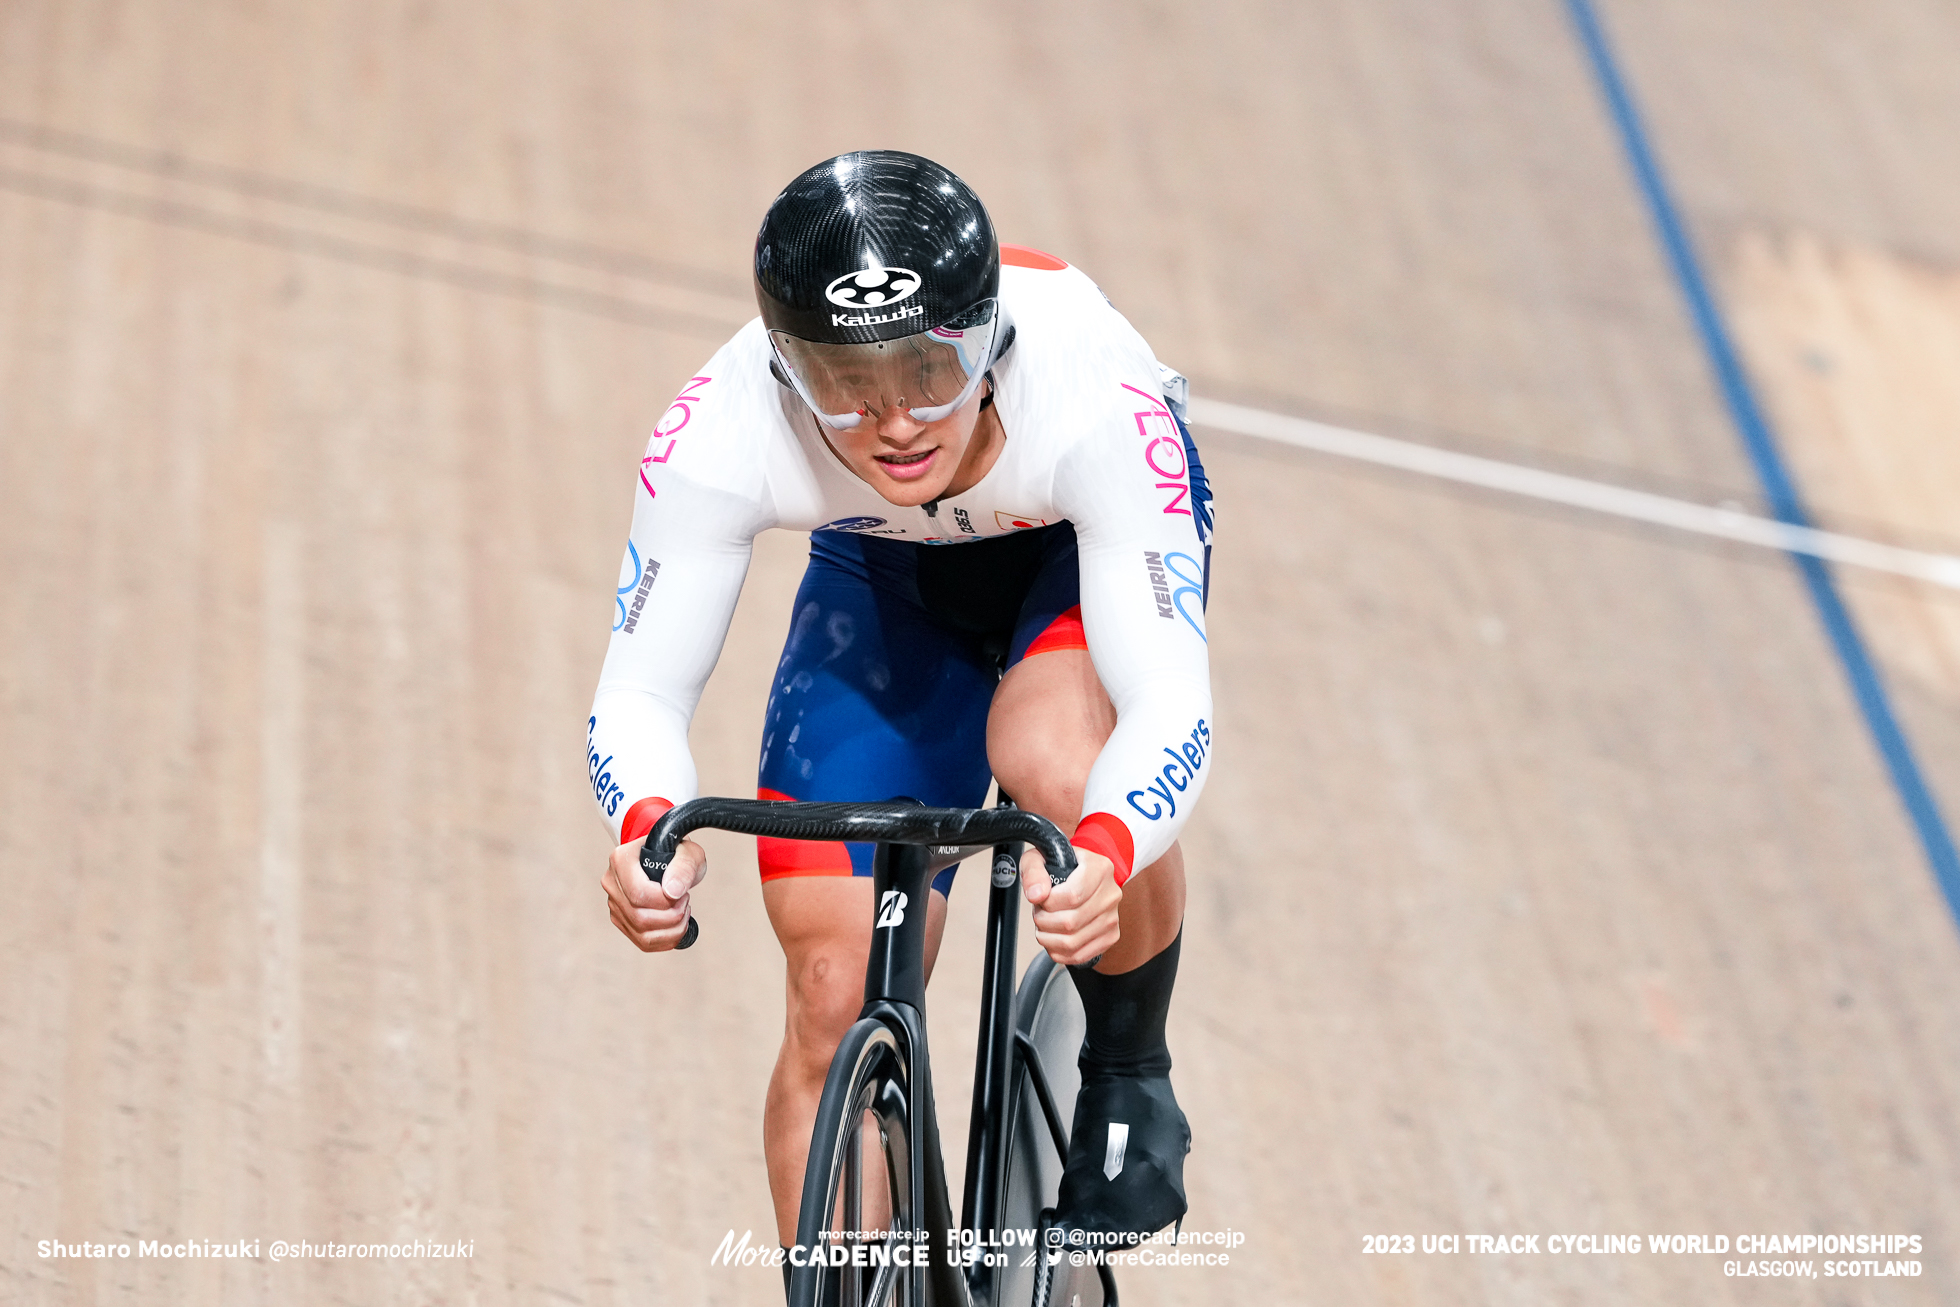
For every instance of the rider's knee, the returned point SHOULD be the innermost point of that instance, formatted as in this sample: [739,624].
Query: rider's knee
[1045,771]
[826,991]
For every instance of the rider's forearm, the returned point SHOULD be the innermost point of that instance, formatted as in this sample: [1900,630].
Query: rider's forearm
[1147,779]
[636,734]
[636,750]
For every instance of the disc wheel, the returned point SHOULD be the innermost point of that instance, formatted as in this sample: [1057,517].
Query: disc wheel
[858,1222]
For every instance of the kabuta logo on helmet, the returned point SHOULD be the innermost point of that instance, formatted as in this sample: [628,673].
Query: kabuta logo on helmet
[871,287]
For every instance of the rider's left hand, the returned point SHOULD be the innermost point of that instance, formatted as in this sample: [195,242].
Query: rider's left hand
[1075,921]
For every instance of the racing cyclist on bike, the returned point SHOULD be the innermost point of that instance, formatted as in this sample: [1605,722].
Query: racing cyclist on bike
[995,475]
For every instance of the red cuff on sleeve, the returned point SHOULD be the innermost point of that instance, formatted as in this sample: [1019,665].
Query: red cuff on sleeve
[640,818]
[1101,833]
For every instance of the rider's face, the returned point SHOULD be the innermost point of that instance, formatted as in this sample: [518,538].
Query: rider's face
[907,461]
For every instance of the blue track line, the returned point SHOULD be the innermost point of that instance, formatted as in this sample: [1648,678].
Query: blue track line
[1777,483]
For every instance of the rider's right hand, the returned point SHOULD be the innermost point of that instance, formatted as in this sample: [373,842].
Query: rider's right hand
[652,915]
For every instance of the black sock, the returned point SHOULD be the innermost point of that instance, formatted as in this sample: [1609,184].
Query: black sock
[1125,1015]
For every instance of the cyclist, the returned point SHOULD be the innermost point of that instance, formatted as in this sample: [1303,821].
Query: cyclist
[1009,548]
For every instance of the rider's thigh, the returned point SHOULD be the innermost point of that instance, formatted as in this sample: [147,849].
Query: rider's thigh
[824,926]
[1050,719]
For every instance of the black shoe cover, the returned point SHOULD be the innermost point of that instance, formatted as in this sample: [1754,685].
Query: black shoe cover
[1125,1172]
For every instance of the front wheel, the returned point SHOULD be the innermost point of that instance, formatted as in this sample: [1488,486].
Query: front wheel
[858,1223]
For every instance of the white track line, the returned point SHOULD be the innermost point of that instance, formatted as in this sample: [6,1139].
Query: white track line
[1553,487]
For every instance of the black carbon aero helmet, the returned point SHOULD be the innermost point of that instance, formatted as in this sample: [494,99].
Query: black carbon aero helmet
[878,275]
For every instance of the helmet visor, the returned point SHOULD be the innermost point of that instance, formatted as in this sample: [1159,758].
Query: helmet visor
[929,374]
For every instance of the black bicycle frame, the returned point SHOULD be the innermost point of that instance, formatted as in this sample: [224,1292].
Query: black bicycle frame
[907,835]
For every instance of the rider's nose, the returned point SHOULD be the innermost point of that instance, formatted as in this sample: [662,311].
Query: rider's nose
[898,426]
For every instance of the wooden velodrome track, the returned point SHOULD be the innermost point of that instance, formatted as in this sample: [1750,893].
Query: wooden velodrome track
[1550,882]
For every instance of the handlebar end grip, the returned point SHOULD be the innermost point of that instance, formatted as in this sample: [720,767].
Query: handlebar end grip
[692,933]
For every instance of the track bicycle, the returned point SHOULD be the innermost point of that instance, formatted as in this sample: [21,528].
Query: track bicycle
[875,1228]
